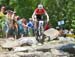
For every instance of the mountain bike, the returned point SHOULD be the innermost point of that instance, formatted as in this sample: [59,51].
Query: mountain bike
[39,31]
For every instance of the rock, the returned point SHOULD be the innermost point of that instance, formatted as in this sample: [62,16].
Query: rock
[30,54]
[47,54]
[14,43]
[12,55]
[62,39]
[8,55]
[69,39]
[23,49]
[28,40]
[68,48]
[59,53]
[52,33]
[59,48]
[2,41]
[3,50]
[44,48]
[10,44]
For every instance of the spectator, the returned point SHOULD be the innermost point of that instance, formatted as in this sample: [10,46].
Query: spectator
[13,15]
[8,21]
[24,24]
[30,27]
[9,14]
[20,26]
[2,11]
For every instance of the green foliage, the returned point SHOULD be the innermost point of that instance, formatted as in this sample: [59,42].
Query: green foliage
[24,8]
[57,9]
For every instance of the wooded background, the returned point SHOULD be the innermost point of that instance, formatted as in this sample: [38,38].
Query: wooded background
[57,9]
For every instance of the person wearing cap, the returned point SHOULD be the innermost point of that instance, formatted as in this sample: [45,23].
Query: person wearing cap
[39,12]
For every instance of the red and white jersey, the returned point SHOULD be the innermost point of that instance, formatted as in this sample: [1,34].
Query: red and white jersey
[39,11]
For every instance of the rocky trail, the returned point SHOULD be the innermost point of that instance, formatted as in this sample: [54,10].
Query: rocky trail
[54,48]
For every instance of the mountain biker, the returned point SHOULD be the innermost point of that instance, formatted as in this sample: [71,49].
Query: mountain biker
[39,12]
[38,19]
[38,15]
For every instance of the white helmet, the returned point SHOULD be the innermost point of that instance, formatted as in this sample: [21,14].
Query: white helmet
[40,6]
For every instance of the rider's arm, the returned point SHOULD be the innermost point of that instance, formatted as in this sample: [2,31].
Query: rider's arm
[47,16]
[33,15]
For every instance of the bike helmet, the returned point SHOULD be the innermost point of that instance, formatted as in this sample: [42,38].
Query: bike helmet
[40,6]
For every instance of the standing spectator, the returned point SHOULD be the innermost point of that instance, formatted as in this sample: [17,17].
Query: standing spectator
[24,24]
[2,11]
[10,24]
[13,16]
[9,14]
[30,25]
[2,19]
[7,22]
[2,16]
[20,26]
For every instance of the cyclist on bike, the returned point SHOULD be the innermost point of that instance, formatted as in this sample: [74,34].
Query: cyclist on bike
[39,12]
[38,20]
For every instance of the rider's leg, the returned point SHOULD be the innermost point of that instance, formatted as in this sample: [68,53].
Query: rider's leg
[36,30]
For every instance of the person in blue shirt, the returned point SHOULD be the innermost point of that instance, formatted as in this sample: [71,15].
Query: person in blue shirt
[20,27]
[30,26]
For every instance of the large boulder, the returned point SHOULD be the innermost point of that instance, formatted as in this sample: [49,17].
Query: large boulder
[52,33]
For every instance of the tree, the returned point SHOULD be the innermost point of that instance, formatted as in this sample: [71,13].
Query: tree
[57,9]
